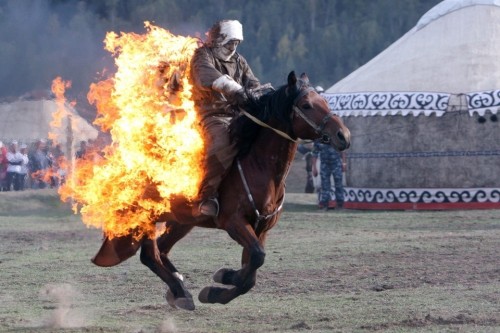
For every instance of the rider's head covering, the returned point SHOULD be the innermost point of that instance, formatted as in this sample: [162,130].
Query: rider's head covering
[224,31]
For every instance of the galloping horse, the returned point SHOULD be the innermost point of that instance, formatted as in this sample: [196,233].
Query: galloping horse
[251,195]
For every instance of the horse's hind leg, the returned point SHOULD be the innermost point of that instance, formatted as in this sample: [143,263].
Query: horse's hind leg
[244,279]
[174,233]
[154,255]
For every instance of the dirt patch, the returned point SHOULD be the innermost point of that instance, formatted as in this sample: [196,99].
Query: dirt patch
[430,320]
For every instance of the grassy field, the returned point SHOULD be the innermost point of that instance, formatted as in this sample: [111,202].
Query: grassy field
[335,271]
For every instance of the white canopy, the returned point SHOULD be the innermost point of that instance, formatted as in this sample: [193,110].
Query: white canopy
[449,61]
[454,48]
[30,120]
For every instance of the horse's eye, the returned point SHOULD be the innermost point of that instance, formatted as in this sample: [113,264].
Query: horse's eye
[307,106]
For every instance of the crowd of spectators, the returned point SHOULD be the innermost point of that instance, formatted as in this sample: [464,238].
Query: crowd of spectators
[37,166]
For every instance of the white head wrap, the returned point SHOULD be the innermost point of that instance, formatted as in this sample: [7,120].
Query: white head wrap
[223,32]
[230,30]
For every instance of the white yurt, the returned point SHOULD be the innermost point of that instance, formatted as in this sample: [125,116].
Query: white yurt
[32,120]
[423,114]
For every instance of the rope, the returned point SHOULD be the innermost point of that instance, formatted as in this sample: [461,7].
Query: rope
[263,124]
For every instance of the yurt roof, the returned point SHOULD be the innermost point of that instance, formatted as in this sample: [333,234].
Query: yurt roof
[29,121]
[454,48]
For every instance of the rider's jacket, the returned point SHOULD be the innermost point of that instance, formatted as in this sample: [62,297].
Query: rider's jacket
[205,69]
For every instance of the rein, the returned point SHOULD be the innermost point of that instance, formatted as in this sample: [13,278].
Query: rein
[263,124]
[259,216]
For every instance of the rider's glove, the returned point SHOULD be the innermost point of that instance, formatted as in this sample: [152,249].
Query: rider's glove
[239,97]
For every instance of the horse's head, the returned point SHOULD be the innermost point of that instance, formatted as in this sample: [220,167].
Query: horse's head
[312,118]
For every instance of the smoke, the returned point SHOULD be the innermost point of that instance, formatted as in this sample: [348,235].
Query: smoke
[64,314]
[42,40]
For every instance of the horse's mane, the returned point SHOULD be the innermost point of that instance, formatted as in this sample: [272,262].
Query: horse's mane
[272,104]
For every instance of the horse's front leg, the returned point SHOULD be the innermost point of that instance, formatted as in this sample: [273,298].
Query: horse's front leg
[244,279]
[151,257]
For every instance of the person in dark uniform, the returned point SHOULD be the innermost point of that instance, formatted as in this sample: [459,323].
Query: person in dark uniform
[332,165]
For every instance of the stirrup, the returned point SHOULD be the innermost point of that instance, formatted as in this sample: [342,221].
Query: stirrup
[209,207]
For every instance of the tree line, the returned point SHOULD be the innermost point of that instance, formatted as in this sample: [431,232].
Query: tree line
[327,39]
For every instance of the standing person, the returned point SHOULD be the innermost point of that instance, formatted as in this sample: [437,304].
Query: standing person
[306,150]
[219,75]
[23,170]
[15,160]
[332,164]
[3,166]
[58,173]
[39,164]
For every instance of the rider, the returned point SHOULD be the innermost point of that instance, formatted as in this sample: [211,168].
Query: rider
[219,75]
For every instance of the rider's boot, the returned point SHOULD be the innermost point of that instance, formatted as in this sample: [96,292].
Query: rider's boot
[208,207]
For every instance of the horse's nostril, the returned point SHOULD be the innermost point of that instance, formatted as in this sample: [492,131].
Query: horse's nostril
[341,136]
[343,139]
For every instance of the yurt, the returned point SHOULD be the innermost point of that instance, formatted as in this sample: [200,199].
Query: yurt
[424,114]
[30,120]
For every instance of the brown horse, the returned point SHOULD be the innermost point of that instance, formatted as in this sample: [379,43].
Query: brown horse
[251,195]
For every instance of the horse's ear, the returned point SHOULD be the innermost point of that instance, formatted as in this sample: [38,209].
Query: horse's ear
[292,79]
[304,77]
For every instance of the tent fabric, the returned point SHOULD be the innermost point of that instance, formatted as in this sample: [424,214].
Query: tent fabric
[29,121]
[449,6]
[413,103]
[391,103]
[454,50]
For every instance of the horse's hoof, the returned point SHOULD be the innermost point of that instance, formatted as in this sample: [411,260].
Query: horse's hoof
[185,303]
[214,295]
[205,297]
[170,298]
[223,275]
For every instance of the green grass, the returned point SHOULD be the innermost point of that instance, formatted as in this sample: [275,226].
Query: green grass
[338,271]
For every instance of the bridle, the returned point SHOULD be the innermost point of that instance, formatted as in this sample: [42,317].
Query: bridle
[318,129]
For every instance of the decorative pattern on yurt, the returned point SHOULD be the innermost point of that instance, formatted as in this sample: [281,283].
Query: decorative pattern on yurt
[424,114]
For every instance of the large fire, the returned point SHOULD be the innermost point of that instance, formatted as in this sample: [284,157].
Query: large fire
[156,144]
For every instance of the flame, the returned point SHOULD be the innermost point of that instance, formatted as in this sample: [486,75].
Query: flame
[156,144]
[55,175]
[58,88]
